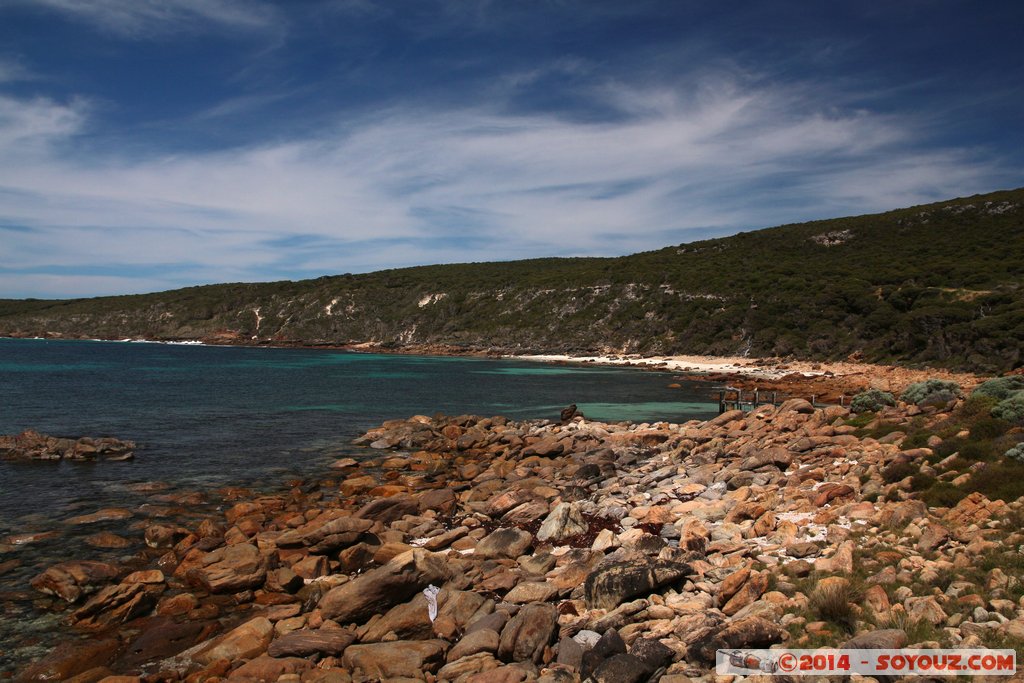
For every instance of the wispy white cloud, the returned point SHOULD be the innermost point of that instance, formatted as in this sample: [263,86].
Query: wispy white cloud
[28,126]
[13,70]
[145,18]
[428,185]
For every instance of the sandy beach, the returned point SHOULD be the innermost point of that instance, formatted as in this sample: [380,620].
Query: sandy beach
[798,376]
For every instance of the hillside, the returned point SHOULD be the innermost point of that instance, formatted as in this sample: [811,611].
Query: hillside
[938,284]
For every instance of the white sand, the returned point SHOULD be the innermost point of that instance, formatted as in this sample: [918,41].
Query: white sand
[754,367]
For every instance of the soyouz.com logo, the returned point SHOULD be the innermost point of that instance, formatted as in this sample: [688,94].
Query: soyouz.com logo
[899,662]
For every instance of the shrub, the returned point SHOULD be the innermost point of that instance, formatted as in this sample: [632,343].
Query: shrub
[1010,408]
[898,471]
[989,428]
[921,482]
[871,400]
[977,405]
[1003,480]
[1016,453]
[831,600]
[942,494]
[931,392]
[1000,387]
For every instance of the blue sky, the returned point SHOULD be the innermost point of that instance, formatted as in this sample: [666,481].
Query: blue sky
[154,144]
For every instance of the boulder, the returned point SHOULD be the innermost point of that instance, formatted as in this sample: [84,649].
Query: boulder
[71,580]
[752,632]
[327,536]
[653,653]
[607,646]
[164,535]
[900,515]
[622,668]
[411,620]
[881,639]
[107,540]
[31,445]
[440,500]
[243,642]
[468,668]
[508,543]
[69,659]
[750,591]
[400,658]
[162,638]
[610,585]
[565,521]
[265,668]
[483,640]
[104,515]
[925,609]
[389,509]
[118,604]
[396,581]
[231,569]
[527,634]
[531,591]
[306,642]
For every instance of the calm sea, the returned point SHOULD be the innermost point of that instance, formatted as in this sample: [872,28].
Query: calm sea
[205,417]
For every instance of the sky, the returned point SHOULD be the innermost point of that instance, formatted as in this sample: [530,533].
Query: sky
[154,144]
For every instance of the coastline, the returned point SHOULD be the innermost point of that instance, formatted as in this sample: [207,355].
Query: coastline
[825,378]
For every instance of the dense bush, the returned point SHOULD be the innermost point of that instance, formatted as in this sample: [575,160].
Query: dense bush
[1011,408]
[931,392]
[898,470]
[1003,480]
[1000,387]
[989,428]
[943,494]
[1016,453]
[871,400]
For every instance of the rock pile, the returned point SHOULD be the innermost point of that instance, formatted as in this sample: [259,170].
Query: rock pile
[31,445]
[563,552]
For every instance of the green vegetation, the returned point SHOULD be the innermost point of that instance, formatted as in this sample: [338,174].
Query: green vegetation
[872,400]
[981,453]
[1011,408]
[898,471]
[931,392]
[1000,387]
[832,601]
[937,285]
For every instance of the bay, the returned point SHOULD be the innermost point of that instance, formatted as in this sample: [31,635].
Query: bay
[206,417]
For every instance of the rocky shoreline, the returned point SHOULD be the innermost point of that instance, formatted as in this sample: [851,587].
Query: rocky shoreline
[619,552]
[31,445]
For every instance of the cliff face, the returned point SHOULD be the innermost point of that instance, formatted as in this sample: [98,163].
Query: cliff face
[937,284]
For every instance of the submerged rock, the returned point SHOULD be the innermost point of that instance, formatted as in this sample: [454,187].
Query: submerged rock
[31,445]
[71,580]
